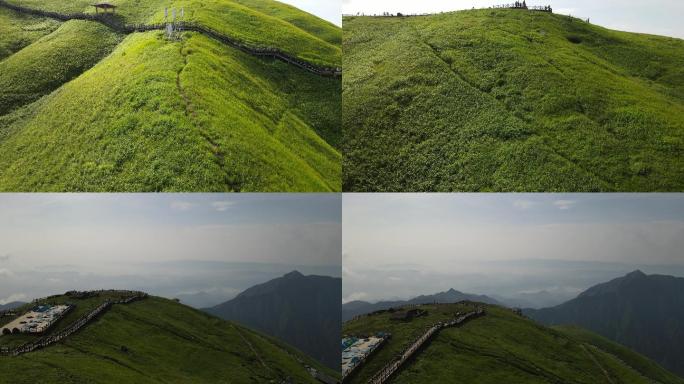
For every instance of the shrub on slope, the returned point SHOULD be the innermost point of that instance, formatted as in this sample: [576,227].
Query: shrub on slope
[52,61]
[164,116]
[503,101]
[18,30]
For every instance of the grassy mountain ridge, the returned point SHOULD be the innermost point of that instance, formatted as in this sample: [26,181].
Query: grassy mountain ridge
[650,368]
[509,100]
[155,115]
[261,22]
[158,340]
[499,347]
[355,308]
[17,30]
[52,61]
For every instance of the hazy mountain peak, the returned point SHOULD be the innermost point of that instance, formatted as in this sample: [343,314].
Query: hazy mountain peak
[637,273]
[293,275]
[451,290]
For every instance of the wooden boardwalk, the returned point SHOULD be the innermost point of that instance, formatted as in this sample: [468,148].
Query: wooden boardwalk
[72,328]
[246,47]
[392,367]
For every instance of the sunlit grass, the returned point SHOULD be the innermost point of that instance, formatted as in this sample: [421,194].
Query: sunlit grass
[157,115]
[505,101]
[260,22]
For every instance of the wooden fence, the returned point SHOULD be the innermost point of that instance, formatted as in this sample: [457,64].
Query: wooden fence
[247,47]
[392,367]
[73,327]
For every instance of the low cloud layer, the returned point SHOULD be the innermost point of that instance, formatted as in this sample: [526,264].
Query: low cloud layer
[208,246]
[405,245]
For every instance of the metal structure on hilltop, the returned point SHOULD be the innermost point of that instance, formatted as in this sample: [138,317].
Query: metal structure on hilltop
[177,24]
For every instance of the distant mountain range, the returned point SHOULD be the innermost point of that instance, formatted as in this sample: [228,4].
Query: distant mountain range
[539,299]
[11,305]
[301,310]
[355,308]
[642,312]
[201,299]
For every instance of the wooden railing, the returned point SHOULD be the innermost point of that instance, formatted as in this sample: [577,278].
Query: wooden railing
[246,47]
[392,367]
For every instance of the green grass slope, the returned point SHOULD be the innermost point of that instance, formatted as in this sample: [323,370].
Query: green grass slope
[259,22]
[648,367]
[510,100]
[52,61]
[164,342]
[194,115]
[18,30]
[311,24]
[501,347]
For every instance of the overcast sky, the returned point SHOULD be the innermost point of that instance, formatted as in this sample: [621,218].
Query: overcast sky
[660,17]
[325,9]
[166,243]
[404,245]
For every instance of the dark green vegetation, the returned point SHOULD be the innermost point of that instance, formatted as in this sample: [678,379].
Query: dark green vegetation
[510,100]
[355,308]
[644,313]
[503,347]
[11,305]
[18,31]
[301,310]
[160,341]
[154,115]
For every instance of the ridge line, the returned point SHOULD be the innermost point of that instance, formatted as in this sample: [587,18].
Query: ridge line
[191,26]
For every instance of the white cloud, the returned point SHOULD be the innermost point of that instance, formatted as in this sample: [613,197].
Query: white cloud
[566,11]
[181,205]
[355,296]
[523,204]
[222,206]
[564,204]
[6,272]
[14,297]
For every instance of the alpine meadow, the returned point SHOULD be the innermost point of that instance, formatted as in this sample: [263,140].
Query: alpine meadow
[509,100]
[153,340]
[110,102]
